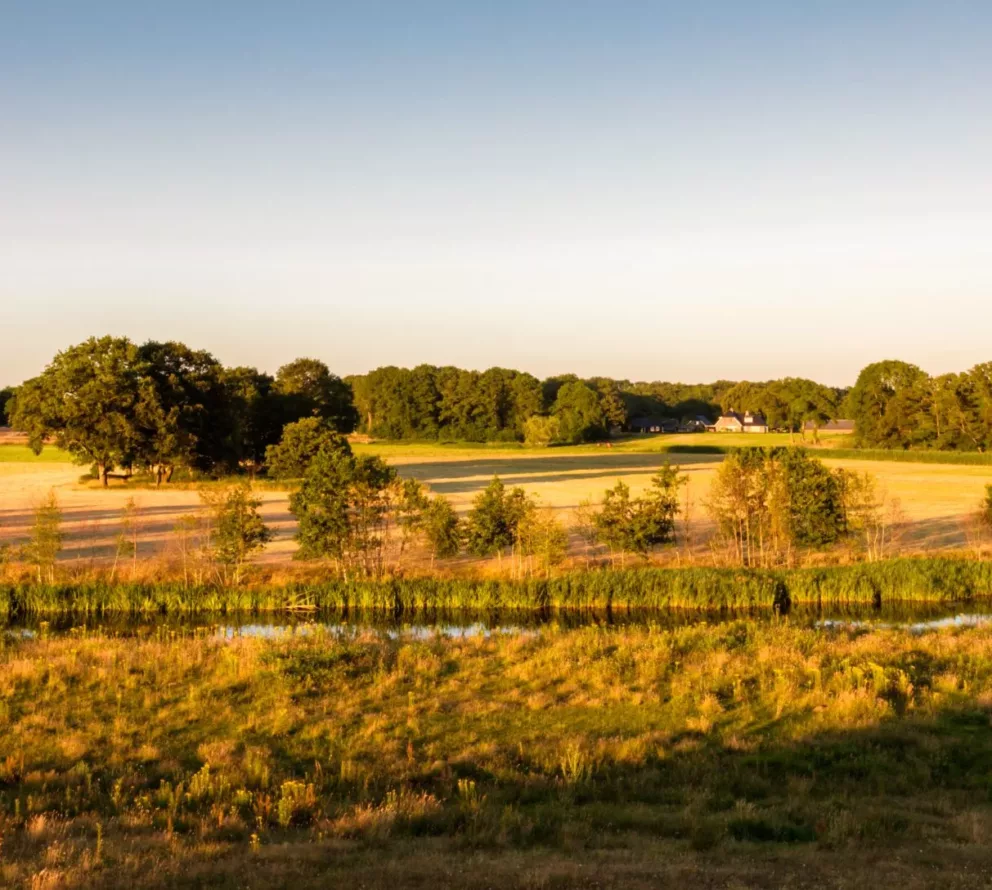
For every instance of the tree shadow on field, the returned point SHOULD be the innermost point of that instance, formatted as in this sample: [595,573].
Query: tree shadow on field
[88,514]
[940,533]
[453,477]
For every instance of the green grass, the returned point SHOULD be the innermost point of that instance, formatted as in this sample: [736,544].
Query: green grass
[738,755]
[23,454]
[962,458]
[831,447]
[866,584]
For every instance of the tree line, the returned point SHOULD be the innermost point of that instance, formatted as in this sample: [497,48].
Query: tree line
[429,402]
[897,405]
[158,407]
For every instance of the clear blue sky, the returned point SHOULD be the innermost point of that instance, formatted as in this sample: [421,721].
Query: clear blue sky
[679,191]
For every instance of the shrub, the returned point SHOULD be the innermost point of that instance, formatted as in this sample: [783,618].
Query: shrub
[238,528]
[299,445]
[636,525]
[541,431]
[442,529]
[46,537]
[813,503]
[986,509]
[343,507]
[495,518]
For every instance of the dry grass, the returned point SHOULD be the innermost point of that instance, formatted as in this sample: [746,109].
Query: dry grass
[742,755]
[936,500]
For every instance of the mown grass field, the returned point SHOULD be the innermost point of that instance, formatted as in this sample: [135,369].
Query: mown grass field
[733,756]
[21,454]
[637,444]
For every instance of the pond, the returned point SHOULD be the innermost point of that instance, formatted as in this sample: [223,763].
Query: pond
[912,617]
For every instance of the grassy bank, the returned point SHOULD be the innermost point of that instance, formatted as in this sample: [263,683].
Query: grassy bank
[742,755]
[865,584]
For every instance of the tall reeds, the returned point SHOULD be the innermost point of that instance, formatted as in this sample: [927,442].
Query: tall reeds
[939,580]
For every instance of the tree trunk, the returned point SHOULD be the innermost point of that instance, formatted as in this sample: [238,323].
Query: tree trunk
[102,468]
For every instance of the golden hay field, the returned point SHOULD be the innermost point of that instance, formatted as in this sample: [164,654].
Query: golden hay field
[936,500]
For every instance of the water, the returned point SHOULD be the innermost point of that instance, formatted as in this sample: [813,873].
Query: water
[913,618]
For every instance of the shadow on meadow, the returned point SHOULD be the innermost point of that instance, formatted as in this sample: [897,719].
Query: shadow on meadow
[904,803]
[772,755]
[453,477]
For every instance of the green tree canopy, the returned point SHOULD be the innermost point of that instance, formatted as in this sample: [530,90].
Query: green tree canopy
[299,445]
[321,506]
[309,389]
[814,505]
[186,422]
[888,404]
[253,416]
[494,520]
[580,413]
[94,399]
[6,397]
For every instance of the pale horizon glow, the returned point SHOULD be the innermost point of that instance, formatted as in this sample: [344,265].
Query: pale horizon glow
[640,191]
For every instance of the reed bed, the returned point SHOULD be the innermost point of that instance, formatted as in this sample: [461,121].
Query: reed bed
[938,581]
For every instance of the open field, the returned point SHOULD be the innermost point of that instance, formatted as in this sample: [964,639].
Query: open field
[744,755]
[640,444]
[936,499]
[21,454]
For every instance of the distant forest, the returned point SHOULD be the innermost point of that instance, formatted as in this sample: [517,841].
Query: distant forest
[164,405]
[448,403]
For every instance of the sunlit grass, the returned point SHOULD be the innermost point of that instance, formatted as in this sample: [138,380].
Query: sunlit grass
[24,455]
[642,589]
[126,756]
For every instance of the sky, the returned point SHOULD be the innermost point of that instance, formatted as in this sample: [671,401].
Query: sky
[643,190]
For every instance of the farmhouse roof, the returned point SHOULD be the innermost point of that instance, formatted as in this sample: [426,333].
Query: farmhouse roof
[746,419]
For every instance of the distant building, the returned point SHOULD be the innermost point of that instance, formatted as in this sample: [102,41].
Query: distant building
[697,424]
[834,426]
[732,422]
[653,425]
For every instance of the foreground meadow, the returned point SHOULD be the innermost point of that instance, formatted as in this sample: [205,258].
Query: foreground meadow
[740,755]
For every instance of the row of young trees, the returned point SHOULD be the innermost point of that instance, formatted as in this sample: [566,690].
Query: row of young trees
[770,503]
[354,511]
[349,508]
[215,545]
[163,406]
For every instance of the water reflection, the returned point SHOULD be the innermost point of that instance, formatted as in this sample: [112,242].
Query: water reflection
[912,617]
